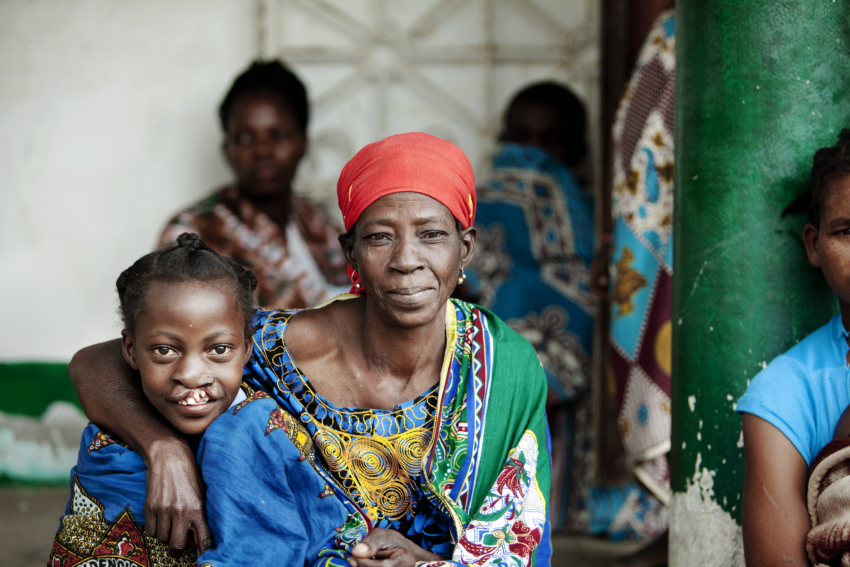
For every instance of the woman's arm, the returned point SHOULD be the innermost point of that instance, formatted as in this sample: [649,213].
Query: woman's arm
[112,398]
[775,518]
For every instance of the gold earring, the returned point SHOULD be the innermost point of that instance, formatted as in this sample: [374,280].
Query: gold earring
[461,278]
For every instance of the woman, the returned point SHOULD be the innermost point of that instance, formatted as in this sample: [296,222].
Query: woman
[427,413]
[531,269]
[259,221]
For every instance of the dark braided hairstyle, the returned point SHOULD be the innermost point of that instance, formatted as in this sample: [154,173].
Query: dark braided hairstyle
[271,77]
[189,260]
[828,165]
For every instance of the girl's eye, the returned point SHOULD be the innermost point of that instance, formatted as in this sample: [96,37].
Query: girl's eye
[243,139]
[221,349]
[162,350]
[280,136]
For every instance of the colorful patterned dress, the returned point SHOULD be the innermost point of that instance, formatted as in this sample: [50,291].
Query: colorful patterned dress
[642,258]
[463,470]
[299,266]
[531,267]
[257,462]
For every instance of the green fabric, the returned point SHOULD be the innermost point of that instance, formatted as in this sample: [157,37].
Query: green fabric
[517,375]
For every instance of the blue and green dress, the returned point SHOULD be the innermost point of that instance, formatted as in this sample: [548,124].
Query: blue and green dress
[462,470]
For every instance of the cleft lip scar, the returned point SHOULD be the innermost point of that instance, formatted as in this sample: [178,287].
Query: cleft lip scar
[194,397]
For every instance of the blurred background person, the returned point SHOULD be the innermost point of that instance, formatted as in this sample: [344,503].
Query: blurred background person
[258,220]
[535,228]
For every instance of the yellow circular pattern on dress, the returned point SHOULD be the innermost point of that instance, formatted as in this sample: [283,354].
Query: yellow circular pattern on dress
[663,347]
[371,461]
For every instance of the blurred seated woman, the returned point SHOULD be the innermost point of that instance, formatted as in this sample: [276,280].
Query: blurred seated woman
[426,412]
[535,245]
[259,221]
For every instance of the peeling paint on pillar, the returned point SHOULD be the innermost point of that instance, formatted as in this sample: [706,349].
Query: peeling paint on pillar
[761,84]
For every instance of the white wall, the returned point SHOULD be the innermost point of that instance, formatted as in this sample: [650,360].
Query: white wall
[108,119]
[107,127]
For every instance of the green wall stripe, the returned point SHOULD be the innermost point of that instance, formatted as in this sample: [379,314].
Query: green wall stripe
[27,388]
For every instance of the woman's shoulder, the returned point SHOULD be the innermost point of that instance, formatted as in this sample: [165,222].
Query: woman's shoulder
[803,391]
[503,335]
[515,362]
[312,328]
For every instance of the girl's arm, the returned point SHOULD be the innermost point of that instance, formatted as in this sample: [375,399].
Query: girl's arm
[112,398]
[775,517]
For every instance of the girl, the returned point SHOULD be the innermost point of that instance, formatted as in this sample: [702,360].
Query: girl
[791,408]
[187,315]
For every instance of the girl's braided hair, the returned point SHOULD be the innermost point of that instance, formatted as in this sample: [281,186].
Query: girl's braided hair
[188,260]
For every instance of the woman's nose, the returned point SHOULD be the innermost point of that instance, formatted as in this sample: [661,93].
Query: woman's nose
[263,147]
[407,255]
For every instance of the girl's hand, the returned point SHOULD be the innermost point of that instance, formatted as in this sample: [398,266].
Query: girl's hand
[388,548]
[174,506]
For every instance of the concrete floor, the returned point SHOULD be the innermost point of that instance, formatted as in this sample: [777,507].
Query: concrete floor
[29,519]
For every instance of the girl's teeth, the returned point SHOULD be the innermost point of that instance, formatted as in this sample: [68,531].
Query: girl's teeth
[195,398]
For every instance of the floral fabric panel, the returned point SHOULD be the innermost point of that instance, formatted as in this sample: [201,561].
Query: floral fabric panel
[511,522]
[86,537]
[642,260]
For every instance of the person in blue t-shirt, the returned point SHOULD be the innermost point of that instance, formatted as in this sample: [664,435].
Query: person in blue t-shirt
[791,408]
[188,318]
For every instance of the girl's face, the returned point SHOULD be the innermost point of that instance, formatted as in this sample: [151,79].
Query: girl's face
[189,347]
[409,254]
[828,246]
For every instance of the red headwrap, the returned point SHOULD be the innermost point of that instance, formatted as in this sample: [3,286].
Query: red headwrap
[414,162]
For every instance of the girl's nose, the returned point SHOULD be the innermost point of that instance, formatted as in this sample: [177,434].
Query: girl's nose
[192,372]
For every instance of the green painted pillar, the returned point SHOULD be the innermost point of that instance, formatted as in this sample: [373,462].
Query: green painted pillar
[761,84]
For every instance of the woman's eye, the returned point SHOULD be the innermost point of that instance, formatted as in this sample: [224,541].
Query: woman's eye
[221,349]
[433,234]
[162,351]
[379,236]
[280,136]
[243,139]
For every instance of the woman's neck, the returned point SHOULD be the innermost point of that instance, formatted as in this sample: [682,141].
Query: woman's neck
[360,361]
[276,206]
[406,355]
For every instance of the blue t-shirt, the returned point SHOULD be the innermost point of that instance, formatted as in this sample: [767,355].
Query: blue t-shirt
[804,391]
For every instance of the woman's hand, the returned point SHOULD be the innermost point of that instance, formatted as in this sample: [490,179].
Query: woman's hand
[174,506]
[388,548]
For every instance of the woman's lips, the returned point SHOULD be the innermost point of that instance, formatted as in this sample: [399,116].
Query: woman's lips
[410,296]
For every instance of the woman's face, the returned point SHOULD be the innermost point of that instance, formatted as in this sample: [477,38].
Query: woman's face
[264,144]
[189,348]
[408,252]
